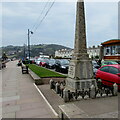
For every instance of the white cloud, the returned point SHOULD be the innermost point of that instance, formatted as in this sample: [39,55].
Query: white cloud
[59,25]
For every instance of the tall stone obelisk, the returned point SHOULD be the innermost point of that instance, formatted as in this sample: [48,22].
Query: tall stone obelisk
[80,72]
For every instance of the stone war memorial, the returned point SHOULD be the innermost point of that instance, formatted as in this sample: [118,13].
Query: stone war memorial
[80,70]
[80,81]
[80,74]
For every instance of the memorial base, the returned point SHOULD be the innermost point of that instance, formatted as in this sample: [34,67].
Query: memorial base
[72,84]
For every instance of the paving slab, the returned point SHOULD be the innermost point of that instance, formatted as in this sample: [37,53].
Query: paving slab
[9,115]
[33,105]
[9,103]
[9,94]
[10,98]
[12,108]
[31,113]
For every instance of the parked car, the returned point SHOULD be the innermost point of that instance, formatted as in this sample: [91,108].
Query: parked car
[95,67]
[38,61]
[62,65]
[43,62]
[109,74]
[50,64]
[118,62]
[32,60]
[108,63]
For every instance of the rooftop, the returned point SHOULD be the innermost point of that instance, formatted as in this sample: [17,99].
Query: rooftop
[114,41]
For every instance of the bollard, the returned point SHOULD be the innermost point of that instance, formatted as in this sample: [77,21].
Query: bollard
[92,91]
[27,69]
[57,88]
[99,83]
[51,84]
[65,95]
[115,89]
[61,89]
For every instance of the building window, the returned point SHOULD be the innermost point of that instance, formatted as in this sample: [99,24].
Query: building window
[113,50]
[107,51]
[117,49]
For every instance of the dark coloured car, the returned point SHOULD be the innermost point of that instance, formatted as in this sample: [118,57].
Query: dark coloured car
[109,74]
[50,64]
[118,62]
[62,65]
[95,67]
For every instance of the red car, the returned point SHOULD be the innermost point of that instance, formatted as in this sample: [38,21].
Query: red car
[43,62]
[109,74]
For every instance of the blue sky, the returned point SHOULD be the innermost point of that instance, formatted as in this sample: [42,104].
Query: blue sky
[59,25]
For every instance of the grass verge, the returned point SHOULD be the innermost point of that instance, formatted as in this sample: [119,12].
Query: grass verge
[42,72]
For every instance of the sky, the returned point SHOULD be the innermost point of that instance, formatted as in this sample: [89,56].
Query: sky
[58,27]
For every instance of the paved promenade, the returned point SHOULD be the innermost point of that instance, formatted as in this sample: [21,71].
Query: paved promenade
[20,98]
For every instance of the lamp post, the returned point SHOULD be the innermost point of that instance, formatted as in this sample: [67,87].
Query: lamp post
[29,32]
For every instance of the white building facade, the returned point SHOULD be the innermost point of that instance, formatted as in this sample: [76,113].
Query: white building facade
[93,51]
[67,53]
[64,53]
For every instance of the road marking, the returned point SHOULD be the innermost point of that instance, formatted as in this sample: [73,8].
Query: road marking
[46,100]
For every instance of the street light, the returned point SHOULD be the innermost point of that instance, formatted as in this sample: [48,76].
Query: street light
[29,32]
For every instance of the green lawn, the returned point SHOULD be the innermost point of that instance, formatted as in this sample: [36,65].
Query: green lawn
[42,72]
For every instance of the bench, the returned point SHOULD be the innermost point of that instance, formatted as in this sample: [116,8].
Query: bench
[24,69]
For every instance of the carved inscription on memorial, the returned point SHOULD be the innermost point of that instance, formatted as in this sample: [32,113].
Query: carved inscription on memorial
[71,72]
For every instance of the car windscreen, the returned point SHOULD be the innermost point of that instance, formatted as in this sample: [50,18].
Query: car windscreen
[51,61]
[110,69]
[94,63]
[113,70]
[44,60]
[113,62]
[64,62]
